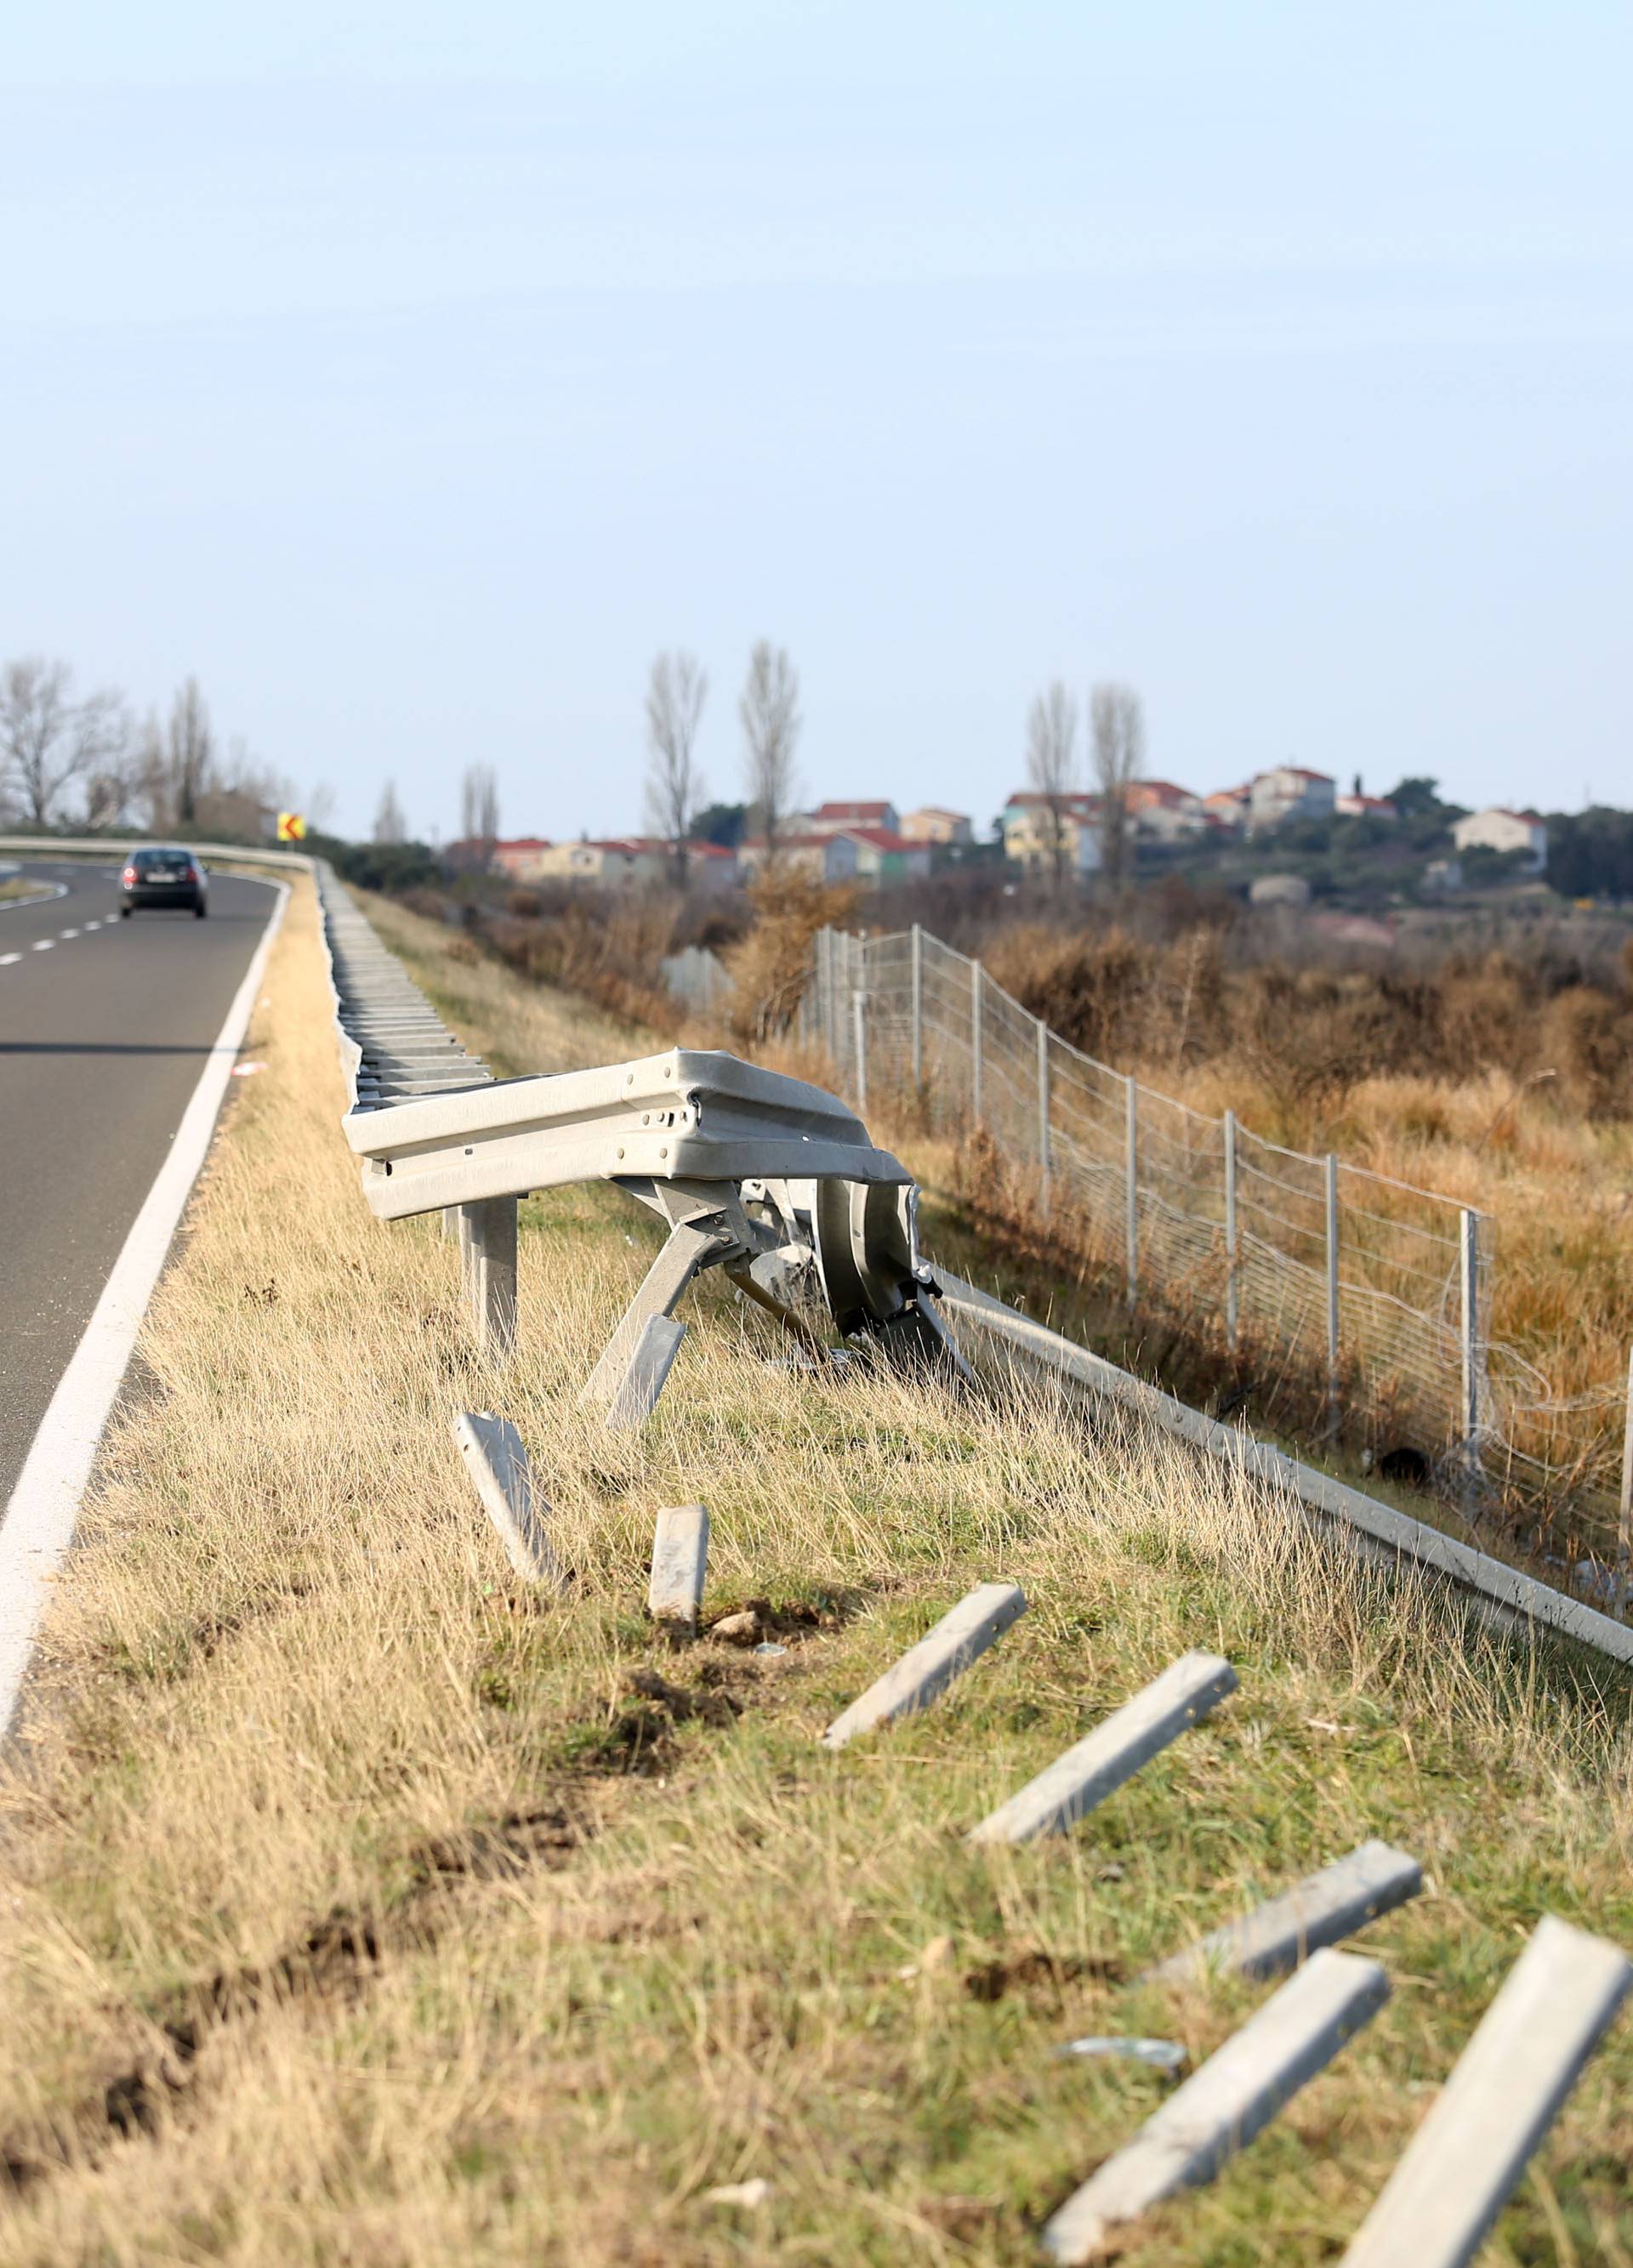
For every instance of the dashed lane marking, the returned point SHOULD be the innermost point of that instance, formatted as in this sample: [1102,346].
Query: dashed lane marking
[6,958]
[44,944]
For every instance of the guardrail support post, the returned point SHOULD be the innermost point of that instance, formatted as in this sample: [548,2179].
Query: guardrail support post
[918,1008]
[487,1248]
[1042,1109]
[976,975]
[1232,1285]
[1468,1289]
[1331,1164]
[1131,1187]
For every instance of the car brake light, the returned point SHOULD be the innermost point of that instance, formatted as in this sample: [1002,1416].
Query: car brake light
[192,874]
[128,875]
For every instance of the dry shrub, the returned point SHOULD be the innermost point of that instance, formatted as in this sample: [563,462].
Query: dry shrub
[606,947]
[769,966]
[1589,1037]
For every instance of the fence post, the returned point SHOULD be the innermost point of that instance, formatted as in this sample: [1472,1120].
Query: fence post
[1624,1525]
[1332,1292]
[1468,1286]
[975,1040]
[1131,1186]
[487,1251]
[1232,1314]
[858,1005]
[1043,1110]
[918,1009]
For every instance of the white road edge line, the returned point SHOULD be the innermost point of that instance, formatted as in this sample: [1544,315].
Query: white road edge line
[40,1520]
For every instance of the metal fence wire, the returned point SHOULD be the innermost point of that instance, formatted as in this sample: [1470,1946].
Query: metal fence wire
[1374,1291]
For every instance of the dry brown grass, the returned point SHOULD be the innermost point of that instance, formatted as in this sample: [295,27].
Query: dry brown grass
[364,1909]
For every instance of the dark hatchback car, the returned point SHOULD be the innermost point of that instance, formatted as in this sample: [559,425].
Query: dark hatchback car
[159,875]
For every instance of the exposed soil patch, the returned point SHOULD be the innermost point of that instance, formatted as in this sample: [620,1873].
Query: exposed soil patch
[1038,1974]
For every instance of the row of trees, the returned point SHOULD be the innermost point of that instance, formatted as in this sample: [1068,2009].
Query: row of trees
[83,758]
[1116,758]
[768,709]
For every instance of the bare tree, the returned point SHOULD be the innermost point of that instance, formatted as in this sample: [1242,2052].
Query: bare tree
[1052,768]
[1117,729]
[48,739]
[676,692]
[190,753]
[479,812]
[389,824]
[771,729]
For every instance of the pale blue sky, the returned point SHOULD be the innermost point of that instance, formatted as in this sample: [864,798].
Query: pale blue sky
[412,375]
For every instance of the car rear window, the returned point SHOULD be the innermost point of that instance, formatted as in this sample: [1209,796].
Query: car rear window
[146,861]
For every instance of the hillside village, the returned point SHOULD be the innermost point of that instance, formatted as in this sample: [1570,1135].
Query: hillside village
[1275,819]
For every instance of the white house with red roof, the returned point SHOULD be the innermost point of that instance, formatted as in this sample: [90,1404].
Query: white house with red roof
[1498,828]
[839,818]
[519,856]
[933,822]
[1290,792]
[1366,807]
[1163,810]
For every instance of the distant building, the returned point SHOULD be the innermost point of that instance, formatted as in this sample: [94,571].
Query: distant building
[818,858]
[623,864]
[883,855]
[1167,812]
[839,818]
[1289,792]
[1279,890]
[1499,830]
[1441,875]
[1226,806]
[520,858]
[1366,807]
[933,824]
[1028,837]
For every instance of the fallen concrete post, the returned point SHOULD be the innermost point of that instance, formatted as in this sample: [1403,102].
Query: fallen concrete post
[643,1380]
[497,1465]
[1112,1753]
[963,1633]
[1220,2108]
[680,1558]
[1459,2167]
[1319,1911]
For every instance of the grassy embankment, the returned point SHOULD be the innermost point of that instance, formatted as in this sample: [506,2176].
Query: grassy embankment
[20,889]
[362,1908]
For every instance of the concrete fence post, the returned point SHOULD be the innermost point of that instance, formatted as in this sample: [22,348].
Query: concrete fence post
[1331,1175]
[1232,1283]
[1044,1161]
[1131,1187]
[918,1007]
[859,1009]
[1468,1292]
[976,974]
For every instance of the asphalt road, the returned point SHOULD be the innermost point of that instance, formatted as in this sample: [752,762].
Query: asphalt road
[105,1026]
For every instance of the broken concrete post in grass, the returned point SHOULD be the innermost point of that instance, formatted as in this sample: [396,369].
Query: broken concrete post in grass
[1282,1933]
[497,1465]
[680,1556]
[963,1633]
[1220,2107]
[1504,2090]
[1112,1753]
[643,1380]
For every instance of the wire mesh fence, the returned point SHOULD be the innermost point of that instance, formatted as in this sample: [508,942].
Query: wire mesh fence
[1366,1298]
